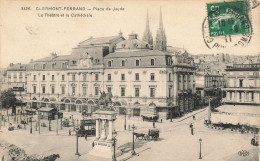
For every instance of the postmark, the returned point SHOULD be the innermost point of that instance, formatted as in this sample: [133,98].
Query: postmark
[228,18]
[228,28]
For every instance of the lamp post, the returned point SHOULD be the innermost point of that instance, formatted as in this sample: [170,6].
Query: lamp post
[114,133]
[31,125]
[133,151]
[125,121]
[209,111]
[77,143]
[200,140]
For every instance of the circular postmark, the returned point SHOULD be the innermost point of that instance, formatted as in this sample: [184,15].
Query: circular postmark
[228,28]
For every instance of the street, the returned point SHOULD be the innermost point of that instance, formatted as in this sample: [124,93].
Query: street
[175,141]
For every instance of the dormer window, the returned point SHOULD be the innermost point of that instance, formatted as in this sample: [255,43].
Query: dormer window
[123,45]
[43,66]
[152,62]
[123,63]
[53,66]
[109,64]
[169,61]
[74,62]
[137,63]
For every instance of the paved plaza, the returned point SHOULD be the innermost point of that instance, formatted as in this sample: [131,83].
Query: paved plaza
[175,141]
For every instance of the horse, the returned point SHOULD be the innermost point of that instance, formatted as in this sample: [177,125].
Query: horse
[138,135]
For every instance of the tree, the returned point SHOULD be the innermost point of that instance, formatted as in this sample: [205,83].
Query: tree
[8,100]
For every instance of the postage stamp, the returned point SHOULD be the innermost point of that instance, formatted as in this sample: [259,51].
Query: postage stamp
[228,18]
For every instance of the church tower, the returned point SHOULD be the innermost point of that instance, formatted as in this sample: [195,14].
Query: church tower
[147,36]
[160,42]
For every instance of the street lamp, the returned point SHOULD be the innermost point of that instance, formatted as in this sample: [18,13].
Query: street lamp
[133,151]
[200,140]
[125,121]
[114,133]
[77,143]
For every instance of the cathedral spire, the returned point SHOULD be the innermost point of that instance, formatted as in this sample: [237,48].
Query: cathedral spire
[147,36]
[160,42]
[161,21]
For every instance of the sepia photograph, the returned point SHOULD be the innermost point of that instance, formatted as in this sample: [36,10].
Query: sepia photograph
[93,80]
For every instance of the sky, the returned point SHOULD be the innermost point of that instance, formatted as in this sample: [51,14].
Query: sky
[24,35]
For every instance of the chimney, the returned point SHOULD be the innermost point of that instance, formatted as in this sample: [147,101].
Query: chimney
[11,64]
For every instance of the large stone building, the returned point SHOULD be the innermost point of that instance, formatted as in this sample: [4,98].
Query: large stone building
[243,85]
[208,85]
[143,79]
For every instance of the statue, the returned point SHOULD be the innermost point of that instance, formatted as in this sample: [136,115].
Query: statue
[105,98]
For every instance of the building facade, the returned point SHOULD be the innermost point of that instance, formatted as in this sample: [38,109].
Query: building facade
[144,80]
[243,84]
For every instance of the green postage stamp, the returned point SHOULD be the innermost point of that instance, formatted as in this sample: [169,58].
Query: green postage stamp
[228,18]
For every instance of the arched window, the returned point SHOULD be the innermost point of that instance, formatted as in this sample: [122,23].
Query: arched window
[152,61]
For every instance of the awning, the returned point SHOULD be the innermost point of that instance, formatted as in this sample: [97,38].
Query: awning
[17,85]
[30,110]
[45,109]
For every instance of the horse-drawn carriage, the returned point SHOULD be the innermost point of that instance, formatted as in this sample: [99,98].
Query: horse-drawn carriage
[153,134]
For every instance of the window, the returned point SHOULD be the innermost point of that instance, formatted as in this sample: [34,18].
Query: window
[137,63]
[137,92]
[74,62]
[53,66]
[170,92]
[73,77]
[43,66]
[84,90]
[152,62]
[170,75]
[152,77]
[109,89]
[43,89]
[109,64]
[240,82]
[123,63]
[252,96]
[122,77]
[43,77]
[109,77]
[52,89]
[73,90]
[137,76]
[169,61]
[122,91]
[34,89]
[34,77]
[63,90]
[84,77]
[52,77]
[63,65]
[152,92]
[96,77]
[63,77]
[96,91]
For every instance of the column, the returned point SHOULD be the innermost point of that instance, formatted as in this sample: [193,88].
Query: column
[186,84]
[79,84]
[242,96]
[103,132]
[109,137]
[175,88]
[181,88]
[97,129]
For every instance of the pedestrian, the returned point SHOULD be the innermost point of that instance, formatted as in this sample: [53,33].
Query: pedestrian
[193,117]
[161,120]
[93,144]
[69,132]
[191,128]
[153,124]
[86,137]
